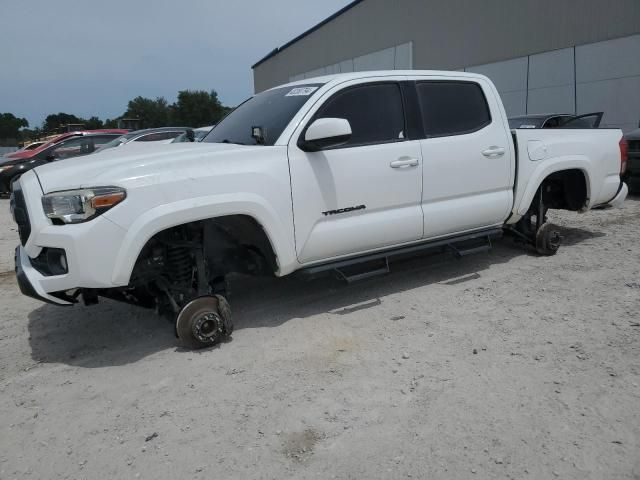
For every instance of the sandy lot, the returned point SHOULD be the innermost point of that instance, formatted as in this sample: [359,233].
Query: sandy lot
[8,237]
[500,365]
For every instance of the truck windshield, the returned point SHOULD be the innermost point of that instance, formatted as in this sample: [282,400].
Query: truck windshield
[271,111]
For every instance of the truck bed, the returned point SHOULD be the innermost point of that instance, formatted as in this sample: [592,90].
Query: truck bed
[540,152]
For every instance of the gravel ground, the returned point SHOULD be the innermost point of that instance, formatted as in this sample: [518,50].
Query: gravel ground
[500,365]
[8,237]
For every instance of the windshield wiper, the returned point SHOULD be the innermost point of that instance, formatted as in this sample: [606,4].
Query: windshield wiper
[226,140]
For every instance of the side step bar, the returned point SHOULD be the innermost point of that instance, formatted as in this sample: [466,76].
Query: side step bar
[460,246]
[356,277]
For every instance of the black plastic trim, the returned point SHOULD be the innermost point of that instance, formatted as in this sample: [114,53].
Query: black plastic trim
[25,285]
[20,214]
[492,233]
[414,124]
[49,264]
[612,198]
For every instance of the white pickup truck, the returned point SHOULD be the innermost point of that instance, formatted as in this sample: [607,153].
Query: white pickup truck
[337,173]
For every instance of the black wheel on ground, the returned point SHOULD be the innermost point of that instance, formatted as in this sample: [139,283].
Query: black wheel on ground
[548,239]
[204,321]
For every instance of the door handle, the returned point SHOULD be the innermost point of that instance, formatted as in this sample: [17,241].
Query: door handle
[403,162]
[494,152]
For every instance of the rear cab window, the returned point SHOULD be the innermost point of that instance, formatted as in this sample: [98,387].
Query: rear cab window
[452,107]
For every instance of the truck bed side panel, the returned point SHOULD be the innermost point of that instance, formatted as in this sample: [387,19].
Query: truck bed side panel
[541,152]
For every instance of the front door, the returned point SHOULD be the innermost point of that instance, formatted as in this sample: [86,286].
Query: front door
[365,194]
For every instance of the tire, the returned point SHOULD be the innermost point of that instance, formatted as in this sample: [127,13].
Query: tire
[204,322]
[548,240]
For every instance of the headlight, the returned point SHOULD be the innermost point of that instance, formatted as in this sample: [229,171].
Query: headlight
[76,206]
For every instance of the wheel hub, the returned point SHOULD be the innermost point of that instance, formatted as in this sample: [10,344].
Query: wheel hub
[554,239]
[207,327]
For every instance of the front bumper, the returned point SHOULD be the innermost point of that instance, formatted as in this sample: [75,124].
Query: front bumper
[90,249]
[28,280]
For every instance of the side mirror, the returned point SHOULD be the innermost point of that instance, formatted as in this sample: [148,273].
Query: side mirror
[326,133]
[191,136]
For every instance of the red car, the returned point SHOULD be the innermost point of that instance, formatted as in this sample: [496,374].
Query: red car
[25,154]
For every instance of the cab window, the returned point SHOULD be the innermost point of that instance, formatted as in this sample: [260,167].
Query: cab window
[452,107]
[374,111]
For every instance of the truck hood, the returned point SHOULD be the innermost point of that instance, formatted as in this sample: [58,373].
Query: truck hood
[139,163]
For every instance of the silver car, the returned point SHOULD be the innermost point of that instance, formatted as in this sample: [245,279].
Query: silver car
[146,135]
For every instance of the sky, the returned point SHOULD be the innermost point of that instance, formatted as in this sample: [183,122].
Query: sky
[90,58]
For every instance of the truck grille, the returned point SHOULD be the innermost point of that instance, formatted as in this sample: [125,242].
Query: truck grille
[20,214]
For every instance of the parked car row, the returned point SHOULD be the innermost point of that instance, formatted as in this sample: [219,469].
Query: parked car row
[75,144]
[146,135]
[198,135]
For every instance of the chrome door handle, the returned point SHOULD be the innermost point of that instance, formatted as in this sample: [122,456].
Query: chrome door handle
[494,152]
[403,162]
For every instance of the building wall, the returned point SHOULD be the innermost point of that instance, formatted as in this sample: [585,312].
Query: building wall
[601,76]
[544,55]
[399,57]
[451,34]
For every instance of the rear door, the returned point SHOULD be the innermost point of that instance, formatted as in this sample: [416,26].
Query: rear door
[468,166]
[365,194]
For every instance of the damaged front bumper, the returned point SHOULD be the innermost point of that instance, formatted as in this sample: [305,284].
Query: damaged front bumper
[29,281]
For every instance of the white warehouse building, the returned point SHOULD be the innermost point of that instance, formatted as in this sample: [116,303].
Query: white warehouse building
[545,56]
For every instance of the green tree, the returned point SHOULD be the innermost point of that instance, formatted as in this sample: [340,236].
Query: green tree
[27,135]
[152,113]
[197,108]
[10,125]
[57,120]
[111,123]
[93,123]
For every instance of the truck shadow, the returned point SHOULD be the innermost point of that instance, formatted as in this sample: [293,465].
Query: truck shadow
[113,333]
[573,236]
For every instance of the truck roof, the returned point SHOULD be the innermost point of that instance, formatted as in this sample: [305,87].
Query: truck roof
[343,77]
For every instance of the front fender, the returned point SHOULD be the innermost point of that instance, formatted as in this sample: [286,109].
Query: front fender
[185,211]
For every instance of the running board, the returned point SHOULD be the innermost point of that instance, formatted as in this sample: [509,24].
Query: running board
[471,251]
[344,274]
[458,245]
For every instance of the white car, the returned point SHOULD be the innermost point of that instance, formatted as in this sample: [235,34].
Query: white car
[198,135]
[147,135]
[338,173]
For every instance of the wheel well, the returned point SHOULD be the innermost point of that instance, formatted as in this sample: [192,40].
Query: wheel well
[234,243]
[242,237]
[564,190]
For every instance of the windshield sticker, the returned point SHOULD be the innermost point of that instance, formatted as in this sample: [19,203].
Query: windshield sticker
[301,92]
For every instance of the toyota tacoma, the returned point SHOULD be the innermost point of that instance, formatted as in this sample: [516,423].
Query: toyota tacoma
[333,174]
